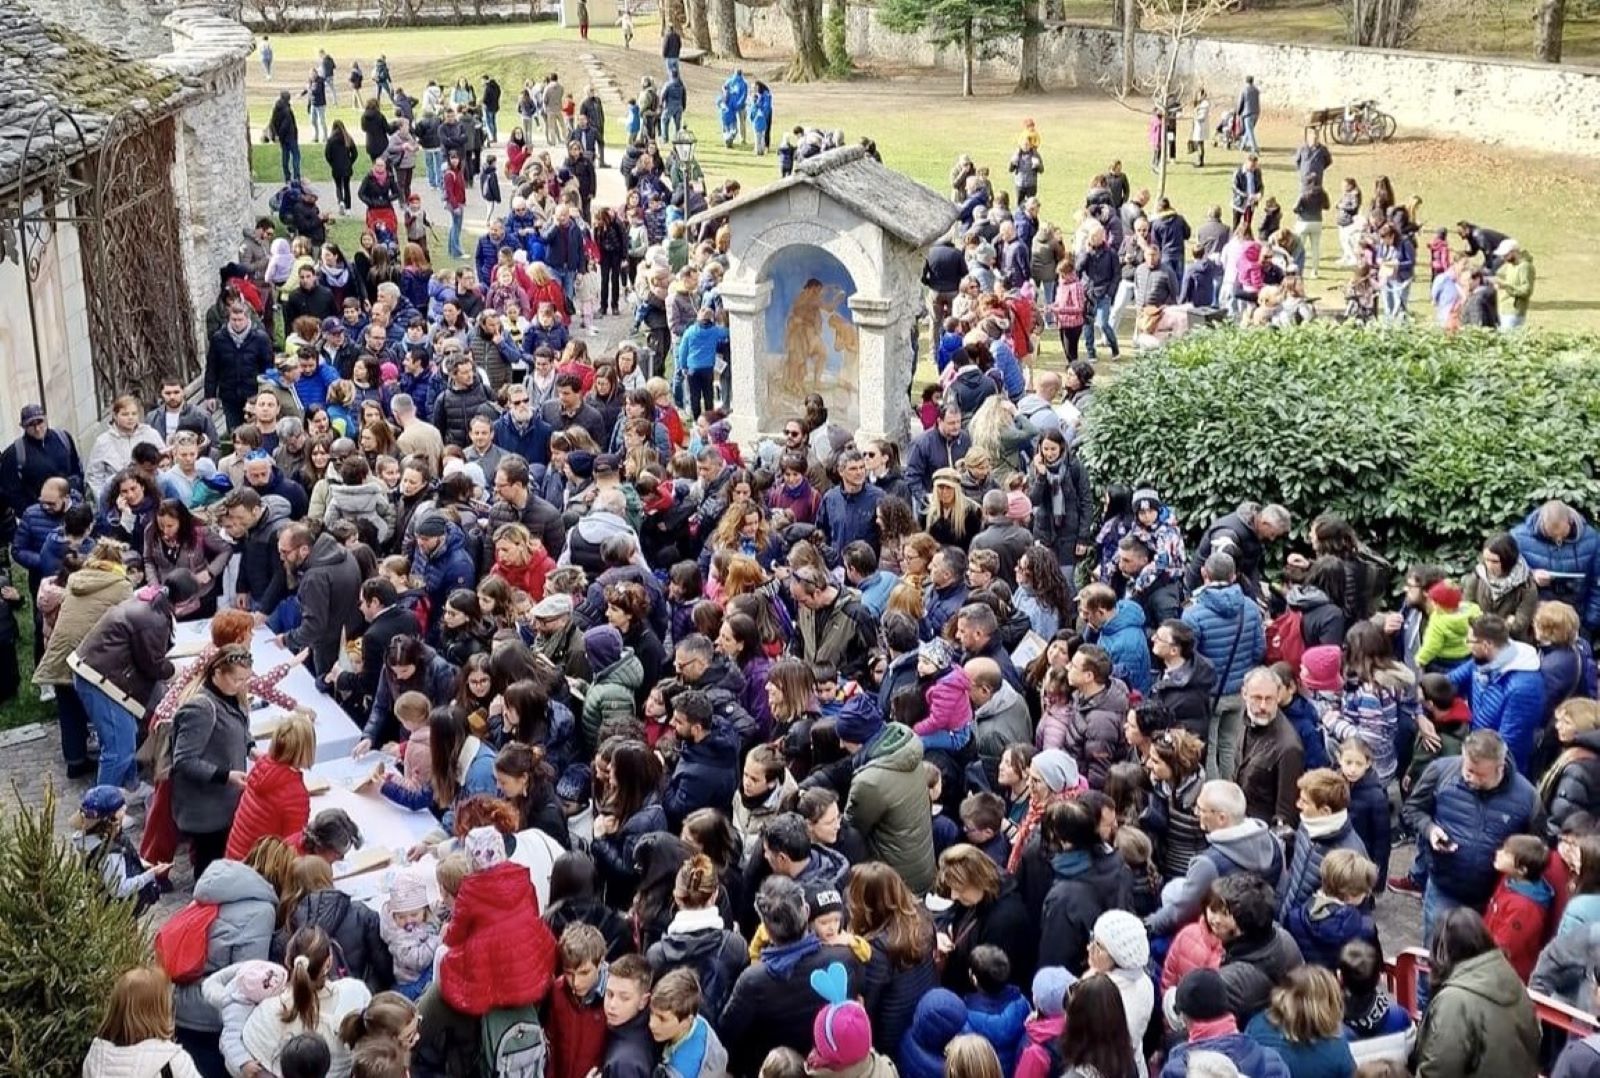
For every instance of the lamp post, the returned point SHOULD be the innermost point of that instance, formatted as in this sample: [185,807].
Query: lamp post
[683,158]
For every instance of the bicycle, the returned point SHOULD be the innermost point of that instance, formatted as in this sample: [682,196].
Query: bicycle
[1363,122]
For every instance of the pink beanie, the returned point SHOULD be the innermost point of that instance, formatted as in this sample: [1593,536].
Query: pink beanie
[841,1037]
[1321,668]
[1018,508]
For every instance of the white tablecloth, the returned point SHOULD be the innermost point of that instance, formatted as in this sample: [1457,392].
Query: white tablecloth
[336,734]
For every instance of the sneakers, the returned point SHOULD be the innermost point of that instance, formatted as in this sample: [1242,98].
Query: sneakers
[1405,885]
[46,693]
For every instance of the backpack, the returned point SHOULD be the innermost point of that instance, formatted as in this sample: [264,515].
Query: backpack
[513,1043]
[182,944]
[1284,640]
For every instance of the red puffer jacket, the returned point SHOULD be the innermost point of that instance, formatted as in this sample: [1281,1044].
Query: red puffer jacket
[275,802]
[498,952]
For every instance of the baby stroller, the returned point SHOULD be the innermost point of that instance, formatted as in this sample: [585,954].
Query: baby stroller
[1230,132]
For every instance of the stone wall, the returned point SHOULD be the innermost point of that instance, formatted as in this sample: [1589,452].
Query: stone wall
[1553,108]
[276,18]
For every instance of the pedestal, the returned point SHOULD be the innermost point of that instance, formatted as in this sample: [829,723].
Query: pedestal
[746,304]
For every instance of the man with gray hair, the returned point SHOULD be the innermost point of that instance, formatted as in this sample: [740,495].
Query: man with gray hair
[606,518]
[978,634]
[1229,632]
[1235,843]
[1242,534]
[292,445]
[1271,758]
[418,437]
[1007,538]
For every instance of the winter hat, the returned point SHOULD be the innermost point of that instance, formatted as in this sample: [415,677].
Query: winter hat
[1145,498]
[1202,995]
[1018,508]
[102,802]
[486,847]
[1059,771]
[432,526]
[937,652]
[823,899]
[258,980]
[1320,668]
[607,464]
[841,1033]
[860,720]
[581,462]
[1050,987]
[407,893]
[388,372]
[573,786]
[1446,596]
[1123,937]
[603,645]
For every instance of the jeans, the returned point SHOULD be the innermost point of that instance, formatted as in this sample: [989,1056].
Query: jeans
[74,723]
[762,141]
[489,121]
[1248,141]
[385,89]
[569,285]
[701,384]
[672,67]
[1222,741]
[1119,302]
[679,384]
[1395,295]
[1100,316]
[290,155]
[453,245]
[119,735]
[433,160]
[319,123]
[671,122]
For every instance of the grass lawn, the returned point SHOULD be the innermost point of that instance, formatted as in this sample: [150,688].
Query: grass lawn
[26,708]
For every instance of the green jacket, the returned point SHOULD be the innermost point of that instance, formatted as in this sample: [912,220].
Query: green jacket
[1446,634]
[1480,1023]
[889,806]
[612,695]
[1516,281]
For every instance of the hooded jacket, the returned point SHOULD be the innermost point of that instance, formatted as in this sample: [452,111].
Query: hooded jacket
[706,775]
[1506,695]
[717,955]
[1188,692]
[1577,557]
[354,927]
[970,389]
[888,804]
[1577,786]
[261,573]
[330,594]
[364,501]
[129,645]
[1123,637]
[1480,1022]
[247,910]
[147,1059]
[772,1004]
[1304,874]
[611,694]
[1001,1019]
[1253,1059]
[91,592]
[1321,621]
[588,538]
[1247,846]
[1087,883]
[1094,734]
[1228,633]
[496,914]
[940,1017]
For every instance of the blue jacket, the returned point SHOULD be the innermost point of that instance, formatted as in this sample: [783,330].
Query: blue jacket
[1002,1021]
[56,548]
[1579,555]
[737,90]
[564,247]
[844,517]
[1230,633]
[930,452]
[486,255]
[761,111]
[34,528]
[705,777]
[313,389]
[555,336]
[1321,927]
[1506,695]
[940,1018]
[1123,638]
[232,370]
[697,348]
[875,591]
[1328,1057]
[450,568]
[940,606]
[1369,817]
[1566,672]
[1478,821]
[1297,885]
[478,780]
[1253,1060]
[531,442]
[1302,715]
[424,390]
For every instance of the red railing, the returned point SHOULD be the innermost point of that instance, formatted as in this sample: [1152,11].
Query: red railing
[1410,965]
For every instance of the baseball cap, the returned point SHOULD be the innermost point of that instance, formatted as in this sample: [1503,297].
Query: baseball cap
[332,325]
[32,413]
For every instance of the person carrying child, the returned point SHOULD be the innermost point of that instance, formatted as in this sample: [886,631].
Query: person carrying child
[411,931]
[234,991]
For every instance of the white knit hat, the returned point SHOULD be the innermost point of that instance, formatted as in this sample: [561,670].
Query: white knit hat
[407,893]
[1123,937]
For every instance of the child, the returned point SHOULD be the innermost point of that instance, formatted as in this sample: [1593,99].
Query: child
[416,754]
[1439,253]
[1011,775]
[983,819]
[997,1011]
[275,801]
[928,410]
[574,1018]
[763,783]
[1444,638]
[1369,1012]
[410,930]
[1450,718]
[1369,803]
[784,1063]
[418,227]
[1055,696]
[1030,135]
[233,993]
[1068,308]
[1043,1028]
[412,596]
[1333,915]
[1138,853]
[946,832]
[633,121]
[629,1049]
[450,874]
[1304,694]
[684,587]
[841,1036]
[306,1055]
[489,188]
[99,837]
[1519,911]
[1324,804]
[825,907]
[1195,946]
[689,1046]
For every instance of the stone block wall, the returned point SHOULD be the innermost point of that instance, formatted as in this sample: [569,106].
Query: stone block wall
[1542,107]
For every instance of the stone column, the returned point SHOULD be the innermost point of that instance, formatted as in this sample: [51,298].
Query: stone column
[746,303]
[875,320]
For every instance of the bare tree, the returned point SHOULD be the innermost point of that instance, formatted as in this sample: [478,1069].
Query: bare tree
[1381,24]
[1549,23]
[1177,22]
[724,29]
[810,62]
[1130,41]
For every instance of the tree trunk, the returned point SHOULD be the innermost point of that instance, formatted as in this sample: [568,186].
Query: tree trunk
[968,47]
[724,29]
[1028,81]
[1549,20]
[1130,29]
[1118,13]
[809,62]
[700,25]
[1164,96]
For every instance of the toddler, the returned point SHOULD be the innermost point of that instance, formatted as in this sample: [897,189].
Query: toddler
[416,755]
[948,726]
[1030,135]
[1056,699]
[99,837]
[233,993]
[1044,1026]
[1444,640]
[1369,802]
[411,931]
[1518,918]
[1333,915]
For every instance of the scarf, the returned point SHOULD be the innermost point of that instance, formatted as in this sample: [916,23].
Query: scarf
[781,960]
[1031,820]
[686,922]
[1070,863]
[1055,477]
[1500,586]
[1320,827]
[335,278]
[239,337]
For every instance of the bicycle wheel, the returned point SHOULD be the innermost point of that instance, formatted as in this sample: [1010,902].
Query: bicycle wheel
[1388,127]
[1344,131]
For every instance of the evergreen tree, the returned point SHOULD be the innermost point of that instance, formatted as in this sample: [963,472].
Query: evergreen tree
[969,23]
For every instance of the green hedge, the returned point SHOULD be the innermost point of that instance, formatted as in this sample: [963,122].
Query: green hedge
[1425,442]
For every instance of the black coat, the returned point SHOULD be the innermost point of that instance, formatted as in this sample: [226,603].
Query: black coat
[1002,921]
[890,994]
[28,462]
[376,129]
[232,369]
[1187,693]
[341,157]
[1074,903]
[379,196]
[353,927]
[318,302]
[766,1011]
[330,586]
[282,127]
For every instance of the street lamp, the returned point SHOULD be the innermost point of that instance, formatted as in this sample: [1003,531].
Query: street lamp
[683,157]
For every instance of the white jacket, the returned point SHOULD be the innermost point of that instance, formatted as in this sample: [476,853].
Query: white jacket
[265,1033]
[142,1060]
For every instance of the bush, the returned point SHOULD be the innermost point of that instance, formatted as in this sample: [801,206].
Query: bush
[1425,442]
[63,942]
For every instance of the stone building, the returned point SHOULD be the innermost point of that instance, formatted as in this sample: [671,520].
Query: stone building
[124,184]
[823,291]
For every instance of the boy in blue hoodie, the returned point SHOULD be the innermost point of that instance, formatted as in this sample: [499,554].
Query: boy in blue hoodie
[689,1046]
[997,1011]
[1334,914]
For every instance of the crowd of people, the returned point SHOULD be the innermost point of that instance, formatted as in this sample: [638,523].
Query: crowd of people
[831,754]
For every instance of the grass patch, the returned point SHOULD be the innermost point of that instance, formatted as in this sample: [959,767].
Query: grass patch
[27,707]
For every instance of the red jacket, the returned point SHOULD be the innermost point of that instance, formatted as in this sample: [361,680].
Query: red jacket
[496,917]
[577,1032]
[529,578]
[455,189]
[1194,947]
[275,802]
[1517,922]
[549,292]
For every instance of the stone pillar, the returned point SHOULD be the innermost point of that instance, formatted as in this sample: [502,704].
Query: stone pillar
[880,358]
[746,304]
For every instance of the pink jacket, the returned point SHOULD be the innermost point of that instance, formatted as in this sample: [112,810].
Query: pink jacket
[1194,947]
[416,764]
[949,706]
[1035,1059]
[1052,731]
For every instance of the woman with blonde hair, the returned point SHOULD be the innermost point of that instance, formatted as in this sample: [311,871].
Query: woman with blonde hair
[316,1001]
[1566,662]
[970,1056]
[988,909]
[1572,785]
[1002,434]
[906,598]
[745,529]
[953,518]
[1304,1024]
[136,1037]
[900,969]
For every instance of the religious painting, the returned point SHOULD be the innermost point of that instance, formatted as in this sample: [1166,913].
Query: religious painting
[813,345]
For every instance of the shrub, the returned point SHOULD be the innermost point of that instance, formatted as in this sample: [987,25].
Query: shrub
[1425,442]
[63,942]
